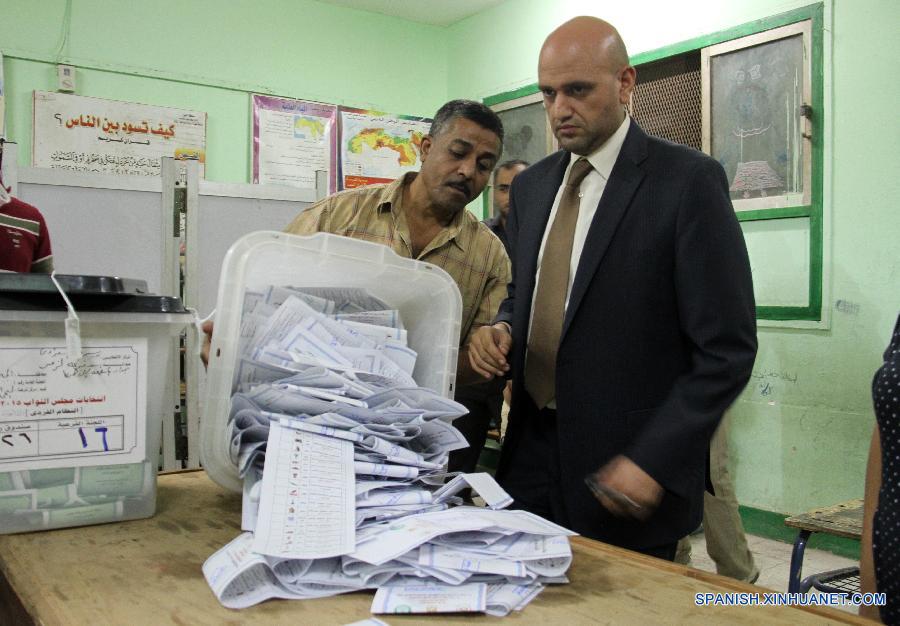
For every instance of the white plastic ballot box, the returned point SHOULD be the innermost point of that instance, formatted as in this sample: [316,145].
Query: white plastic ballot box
[80,425]
[427,297]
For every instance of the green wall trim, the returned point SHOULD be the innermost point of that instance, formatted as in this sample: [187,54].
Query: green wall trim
[787,313]
[771,526]
[774,214]
[506,96]
[816,259]
[750,28]
[813,311]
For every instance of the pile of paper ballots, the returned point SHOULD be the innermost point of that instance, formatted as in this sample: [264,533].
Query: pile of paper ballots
[343,459]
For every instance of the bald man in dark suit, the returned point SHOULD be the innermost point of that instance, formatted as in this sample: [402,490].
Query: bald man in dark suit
[629,325]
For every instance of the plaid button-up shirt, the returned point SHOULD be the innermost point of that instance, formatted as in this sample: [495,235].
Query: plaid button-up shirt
[466,249]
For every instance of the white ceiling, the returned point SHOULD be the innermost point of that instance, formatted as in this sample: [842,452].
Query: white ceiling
[436,12]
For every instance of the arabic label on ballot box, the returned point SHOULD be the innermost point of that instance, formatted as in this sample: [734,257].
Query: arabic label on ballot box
[56,411]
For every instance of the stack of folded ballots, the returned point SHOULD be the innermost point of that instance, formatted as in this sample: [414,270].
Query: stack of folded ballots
[343,459]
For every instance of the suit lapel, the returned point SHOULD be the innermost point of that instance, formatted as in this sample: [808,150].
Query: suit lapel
[625,178]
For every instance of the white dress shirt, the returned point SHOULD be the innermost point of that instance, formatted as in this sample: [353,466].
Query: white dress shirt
[591,190]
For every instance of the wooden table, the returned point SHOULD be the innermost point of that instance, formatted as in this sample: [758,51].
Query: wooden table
[148,572]
[842,520]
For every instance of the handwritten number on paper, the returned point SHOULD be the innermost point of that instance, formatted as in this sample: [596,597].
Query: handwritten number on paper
[51,405]
[100,429]
[8,438]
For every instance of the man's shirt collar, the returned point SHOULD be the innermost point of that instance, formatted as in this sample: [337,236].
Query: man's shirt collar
[391,199]
[604,158]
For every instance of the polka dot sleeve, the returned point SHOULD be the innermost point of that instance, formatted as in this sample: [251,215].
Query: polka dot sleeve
[886,527]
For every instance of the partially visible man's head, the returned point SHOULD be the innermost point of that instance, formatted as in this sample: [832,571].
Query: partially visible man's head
[586,80]
[459,153]
[467,109]
[503,177]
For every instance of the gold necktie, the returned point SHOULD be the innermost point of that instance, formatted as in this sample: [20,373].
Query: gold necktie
[549,306]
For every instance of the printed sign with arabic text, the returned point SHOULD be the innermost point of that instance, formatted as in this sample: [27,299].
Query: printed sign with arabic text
[84,134]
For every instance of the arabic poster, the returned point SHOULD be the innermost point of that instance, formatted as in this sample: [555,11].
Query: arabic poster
[378,148]
[292,139]
[86,134]
[61,412]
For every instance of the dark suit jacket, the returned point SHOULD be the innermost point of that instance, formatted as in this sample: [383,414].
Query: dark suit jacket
[659,336]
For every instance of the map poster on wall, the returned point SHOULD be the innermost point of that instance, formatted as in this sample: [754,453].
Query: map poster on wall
[85,134]
[378,148]
[292,139]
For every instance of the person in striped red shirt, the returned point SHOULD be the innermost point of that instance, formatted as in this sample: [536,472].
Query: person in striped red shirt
[24,238]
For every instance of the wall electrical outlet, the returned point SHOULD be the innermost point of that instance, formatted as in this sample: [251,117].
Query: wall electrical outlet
[66,78]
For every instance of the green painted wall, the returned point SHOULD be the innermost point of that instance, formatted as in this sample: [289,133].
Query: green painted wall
[811,443]
[801,429]
[208,55]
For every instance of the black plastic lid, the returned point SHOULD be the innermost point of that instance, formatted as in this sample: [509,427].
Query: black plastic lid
[110,294]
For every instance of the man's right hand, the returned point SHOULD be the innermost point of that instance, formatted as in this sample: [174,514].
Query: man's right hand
[488,350]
